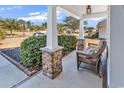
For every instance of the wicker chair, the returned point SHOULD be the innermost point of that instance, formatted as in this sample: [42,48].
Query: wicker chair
[91,58]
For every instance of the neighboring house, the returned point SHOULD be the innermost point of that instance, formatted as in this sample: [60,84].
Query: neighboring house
[102,28]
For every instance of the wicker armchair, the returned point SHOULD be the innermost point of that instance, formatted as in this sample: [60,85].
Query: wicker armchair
[91,57]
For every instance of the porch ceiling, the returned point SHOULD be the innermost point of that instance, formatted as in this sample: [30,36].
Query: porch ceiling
[79,11]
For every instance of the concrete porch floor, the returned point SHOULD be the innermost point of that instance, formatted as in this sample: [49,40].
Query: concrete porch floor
[69,78]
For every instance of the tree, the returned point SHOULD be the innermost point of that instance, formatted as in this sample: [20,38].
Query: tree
[22,25]
[44,25]
[29,25]
[90,28]
[2,34]
[85,25]
[10,24]
[72,23]
[61,28]
[35,28]
[1,22]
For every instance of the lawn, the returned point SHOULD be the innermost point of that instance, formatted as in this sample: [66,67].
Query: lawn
[14,40]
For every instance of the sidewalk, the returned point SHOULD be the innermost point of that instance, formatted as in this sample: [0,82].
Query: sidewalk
[9,74]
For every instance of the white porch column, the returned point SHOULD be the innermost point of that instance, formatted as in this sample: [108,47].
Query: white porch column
[80,40]
[81,34]
[52,53]
[52,41]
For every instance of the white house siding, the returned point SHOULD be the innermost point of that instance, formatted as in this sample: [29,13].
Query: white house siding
[117,45]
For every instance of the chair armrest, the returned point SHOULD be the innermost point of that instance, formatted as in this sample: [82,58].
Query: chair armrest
[80,44]
[85,54]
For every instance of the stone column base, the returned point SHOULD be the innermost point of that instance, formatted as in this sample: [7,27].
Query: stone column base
[52,62]
[80,44]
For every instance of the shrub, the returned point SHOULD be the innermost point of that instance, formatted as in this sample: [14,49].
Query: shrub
[30,53]
[94,36]
[68,42]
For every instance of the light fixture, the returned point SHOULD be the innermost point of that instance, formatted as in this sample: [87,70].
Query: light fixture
[88,9]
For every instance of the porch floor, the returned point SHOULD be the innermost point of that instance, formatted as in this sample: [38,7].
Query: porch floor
[69,78]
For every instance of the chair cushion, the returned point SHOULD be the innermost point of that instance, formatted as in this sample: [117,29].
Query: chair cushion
[89,61]
[90,50]
[96,50]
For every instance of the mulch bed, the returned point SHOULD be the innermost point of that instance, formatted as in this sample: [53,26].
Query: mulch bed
[13,55]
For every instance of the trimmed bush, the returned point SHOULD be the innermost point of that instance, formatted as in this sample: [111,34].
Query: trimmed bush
[31,55]
[68,42]
[94,36]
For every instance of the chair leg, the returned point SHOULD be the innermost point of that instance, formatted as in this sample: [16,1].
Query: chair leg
[78,63]
[99,67]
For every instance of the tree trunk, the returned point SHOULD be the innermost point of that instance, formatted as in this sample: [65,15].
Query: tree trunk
[23,32]
[11,32]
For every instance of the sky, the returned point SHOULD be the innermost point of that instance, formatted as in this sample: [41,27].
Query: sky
[36,14]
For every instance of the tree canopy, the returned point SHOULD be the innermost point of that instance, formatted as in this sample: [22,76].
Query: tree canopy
[71,23]
[10,24]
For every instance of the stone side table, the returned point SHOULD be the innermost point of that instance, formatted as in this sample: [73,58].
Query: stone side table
[52,62]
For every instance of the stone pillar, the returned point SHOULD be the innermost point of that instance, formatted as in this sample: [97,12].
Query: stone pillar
[52,53]
[52,62]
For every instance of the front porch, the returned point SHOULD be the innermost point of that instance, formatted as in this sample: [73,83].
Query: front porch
[69,78]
